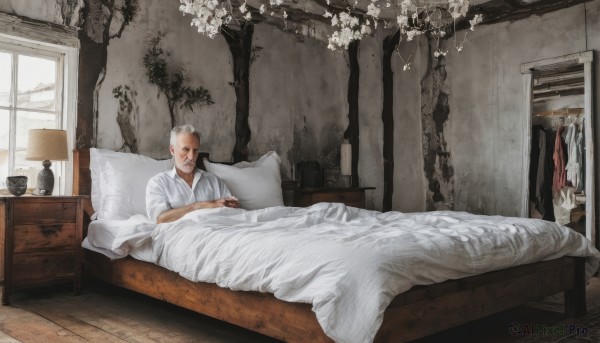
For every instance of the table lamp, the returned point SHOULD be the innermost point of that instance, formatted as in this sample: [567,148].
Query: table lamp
[45,145]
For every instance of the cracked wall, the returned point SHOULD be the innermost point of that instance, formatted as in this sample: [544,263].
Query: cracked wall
[435,113]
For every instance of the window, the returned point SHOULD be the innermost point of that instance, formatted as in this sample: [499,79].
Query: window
[34,88]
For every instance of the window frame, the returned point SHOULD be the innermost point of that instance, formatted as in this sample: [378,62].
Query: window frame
[65,97]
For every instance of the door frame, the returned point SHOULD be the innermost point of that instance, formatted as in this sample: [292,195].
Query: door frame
[586,58]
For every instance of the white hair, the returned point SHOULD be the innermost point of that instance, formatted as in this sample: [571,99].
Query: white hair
[177,130]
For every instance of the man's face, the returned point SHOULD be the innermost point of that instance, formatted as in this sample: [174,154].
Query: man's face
[185,152]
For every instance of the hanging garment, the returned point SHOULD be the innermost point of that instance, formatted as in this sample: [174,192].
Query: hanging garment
[580,160]
[534,166]
[573,166]
[539,195]
[547,202]
[560,175]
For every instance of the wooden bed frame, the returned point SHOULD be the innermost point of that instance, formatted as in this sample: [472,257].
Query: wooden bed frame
[421,311]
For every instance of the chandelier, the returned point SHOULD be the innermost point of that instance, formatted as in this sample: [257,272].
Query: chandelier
[411,17]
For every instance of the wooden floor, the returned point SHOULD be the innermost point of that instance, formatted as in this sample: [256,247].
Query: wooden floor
[104,313]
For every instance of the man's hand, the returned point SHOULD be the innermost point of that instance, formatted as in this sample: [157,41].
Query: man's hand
[176,213]
[232,202]
[226,202]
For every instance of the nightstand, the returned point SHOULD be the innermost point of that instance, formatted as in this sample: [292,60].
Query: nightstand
[354,197]
[40,241]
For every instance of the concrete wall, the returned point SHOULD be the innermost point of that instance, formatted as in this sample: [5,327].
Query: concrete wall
[409,180]
[370,161]
[298,103]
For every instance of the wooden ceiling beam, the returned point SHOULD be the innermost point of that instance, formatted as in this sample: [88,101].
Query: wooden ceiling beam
[496,11]
[305,17]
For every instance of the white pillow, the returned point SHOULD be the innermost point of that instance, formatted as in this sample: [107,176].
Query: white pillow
[119,182]
[256,184]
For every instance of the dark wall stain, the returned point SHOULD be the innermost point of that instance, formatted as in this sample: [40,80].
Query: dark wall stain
[240,45]
[94,37]
[387,117]
[352,131]
[435,112]
[68,10]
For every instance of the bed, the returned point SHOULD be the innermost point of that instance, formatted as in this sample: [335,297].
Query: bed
[418,312]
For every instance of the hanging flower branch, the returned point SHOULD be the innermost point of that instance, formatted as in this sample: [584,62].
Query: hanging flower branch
[412,17]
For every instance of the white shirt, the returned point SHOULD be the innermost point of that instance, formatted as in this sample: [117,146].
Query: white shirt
[168,190]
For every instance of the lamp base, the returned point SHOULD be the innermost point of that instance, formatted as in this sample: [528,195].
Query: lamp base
[45,181]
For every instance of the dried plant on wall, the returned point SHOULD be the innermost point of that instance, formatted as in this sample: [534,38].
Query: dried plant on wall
[172,86]
[127,117]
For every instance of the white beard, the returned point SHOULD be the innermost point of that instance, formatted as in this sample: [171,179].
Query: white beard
[186,167]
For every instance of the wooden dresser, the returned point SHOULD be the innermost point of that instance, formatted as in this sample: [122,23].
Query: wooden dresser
[354,197]
[40,241]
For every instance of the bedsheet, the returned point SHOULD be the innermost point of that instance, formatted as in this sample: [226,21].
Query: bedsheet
[348,263]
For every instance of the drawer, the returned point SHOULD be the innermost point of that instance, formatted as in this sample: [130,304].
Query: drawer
[38,268]
[44,212]
[43,237]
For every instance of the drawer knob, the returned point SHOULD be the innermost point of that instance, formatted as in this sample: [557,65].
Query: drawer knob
[49,230]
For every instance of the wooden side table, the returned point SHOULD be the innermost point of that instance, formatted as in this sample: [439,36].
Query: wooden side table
[354,197]
[40,241]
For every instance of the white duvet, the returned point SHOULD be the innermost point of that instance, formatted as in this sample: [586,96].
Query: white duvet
[347,262]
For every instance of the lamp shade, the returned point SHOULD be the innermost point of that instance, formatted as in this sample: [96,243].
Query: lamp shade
[47,144]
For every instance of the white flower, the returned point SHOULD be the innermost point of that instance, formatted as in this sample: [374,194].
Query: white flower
[243,8]
[285,15]
[248,16]
[406,67]
[334,20]
[327,14]
[410,34]
[210,15]
[349,30]
[402,20]
[328,2]
[478,18]
[458,8]
[262,9]
[373,10]
[439,53]
[365,29]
